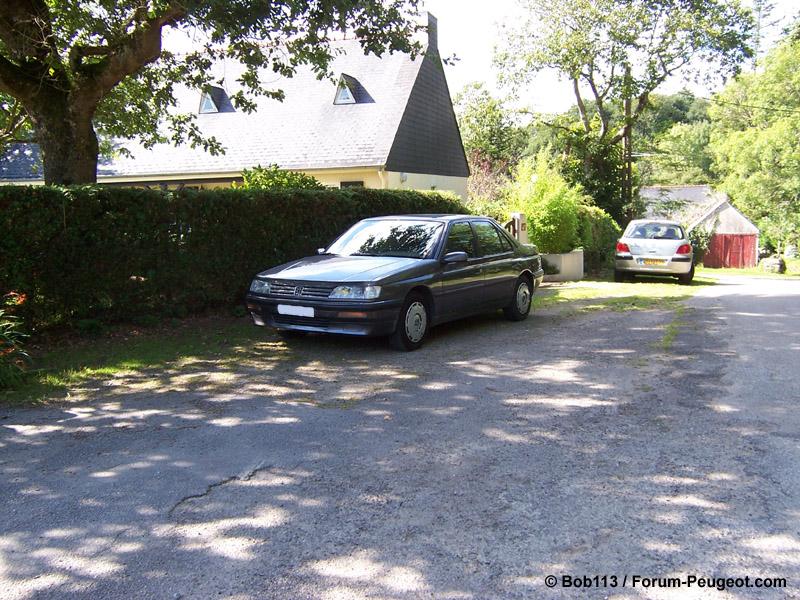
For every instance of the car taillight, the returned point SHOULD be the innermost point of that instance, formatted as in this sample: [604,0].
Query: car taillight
[622,247]
[684,249]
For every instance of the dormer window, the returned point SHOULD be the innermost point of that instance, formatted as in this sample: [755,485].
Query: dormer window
[207,104]
[214,100]
[343,94]
[350,91]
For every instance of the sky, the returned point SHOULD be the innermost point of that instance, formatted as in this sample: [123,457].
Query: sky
[469,29]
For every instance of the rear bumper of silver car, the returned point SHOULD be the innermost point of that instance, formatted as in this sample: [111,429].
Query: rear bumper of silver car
[674,265]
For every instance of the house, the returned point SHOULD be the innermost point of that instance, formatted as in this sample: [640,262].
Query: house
[734,242]
[383,122]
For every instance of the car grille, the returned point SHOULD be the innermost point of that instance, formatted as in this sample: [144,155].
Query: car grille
[309,321]
[302,290]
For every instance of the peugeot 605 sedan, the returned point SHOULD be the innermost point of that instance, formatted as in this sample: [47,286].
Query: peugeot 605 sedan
[654,247]
[398,276]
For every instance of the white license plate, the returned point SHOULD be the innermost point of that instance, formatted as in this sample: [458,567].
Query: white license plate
[297,311]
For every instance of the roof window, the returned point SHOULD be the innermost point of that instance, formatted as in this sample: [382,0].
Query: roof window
[215,100]
[350,91]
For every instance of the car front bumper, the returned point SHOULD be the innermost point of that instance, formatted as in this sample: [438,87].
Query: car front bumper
[671,265]
[370,318]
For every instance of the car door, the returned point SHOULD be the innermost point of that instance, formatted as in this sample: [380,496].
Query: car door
[497,257]
[460,282]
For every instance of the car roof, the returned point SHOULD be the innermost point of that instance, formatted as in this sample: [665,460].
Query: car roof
[428,217]
[659,221]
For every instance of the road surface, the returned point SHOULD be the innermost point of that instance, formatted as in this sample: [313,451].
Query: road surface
[631,445]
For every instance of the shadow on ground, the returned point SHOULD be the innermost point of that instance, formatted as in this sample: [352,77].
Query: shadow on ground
[333,467]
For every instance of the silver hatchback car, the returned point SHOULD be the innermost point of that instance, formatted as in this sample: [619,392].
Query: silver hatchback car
[654,247]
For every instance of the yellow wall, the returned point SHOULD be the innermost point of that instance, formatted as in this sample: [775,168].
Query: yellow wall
[372,177]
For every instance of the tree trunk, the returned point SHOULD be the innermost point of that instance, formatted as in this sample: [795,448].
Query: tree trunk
[67,140]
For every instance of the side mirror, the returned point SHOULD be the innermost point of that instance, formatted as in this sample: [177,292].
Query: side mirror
[321,250]
[455,257]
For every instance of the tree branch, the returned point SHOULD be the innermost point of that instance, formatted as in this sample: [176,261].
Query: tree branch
[25,28]
[581,106]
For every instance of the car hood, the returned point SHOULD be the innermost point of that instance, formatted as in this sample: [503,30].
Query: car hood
[341,268]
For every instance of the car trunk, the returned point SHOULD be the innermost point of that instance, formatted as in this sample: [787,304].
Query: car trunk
[654,250]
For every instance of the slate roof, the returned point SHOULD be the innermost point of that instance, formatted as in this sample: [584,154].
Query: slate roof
[695,205]
[305,131]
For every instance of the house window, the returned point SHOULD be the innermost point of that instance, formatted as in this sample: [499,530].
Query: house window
[351,184]
[344,95]
[207,104]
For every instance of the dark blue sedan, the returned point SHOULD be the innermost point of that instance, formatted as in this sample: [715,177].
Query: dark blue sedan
[398,276]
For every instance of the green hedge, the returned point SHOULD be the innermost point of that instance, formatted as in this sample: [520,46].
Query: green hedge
[120,253]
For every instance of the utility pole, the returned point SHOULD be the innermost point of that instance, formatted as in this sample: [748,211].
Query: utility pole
[627,149]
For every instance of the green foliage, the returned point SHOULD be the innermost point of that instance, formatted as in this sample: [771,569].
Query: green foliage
[683,155]
[13,357]
[756,143]
[102,64]
[597,233]
[487,128]
[549,202]
[121,253]
[273,177]
[700,238]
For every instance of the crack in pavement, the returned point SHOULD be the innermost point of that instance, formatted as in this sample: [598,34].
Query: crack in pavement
[245,475]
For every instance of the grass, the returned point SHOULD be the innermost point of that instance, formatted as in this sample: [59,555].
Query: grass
[792,271]
[593,294]
[62,368]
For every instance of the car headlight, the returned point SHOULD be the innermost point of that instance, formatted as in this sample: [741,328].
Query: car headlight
[259,286]
[356,292]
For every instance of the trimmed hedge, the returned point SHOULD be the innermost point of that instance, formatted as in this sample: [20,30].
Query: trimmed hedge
[121,253]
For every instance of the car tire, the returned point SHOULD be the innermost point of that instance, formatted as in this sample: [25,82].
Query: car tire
[520,306]
[413,324]
[687,279]
[619,276]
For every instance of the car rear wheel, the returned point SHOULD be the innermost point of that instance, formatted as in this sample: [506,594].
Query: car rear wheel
[687,278]
[520,305]
[620,276]
[412,324]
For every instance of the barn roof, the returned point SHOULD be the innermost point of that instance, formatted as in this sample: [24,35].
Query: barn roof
[696,205]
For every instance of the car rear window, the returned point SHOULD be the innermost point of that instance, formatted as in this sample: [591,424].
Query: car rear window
[655,231]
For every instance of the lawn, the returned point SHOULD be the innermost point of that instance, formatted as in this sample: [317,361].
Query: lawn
[597,294]
[792,271]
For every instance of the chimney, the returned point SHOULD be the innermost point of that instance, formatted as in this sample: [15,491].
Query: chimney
[433,35]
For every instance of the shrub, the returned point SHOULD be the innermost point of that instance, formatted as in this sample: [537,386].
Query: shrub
[12,354]
[549,202]
[598,233]
[272,177]
[119,253]
[700,237]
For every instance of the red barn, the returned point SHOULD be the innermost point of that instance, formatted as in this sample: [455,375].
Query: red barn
[734,243]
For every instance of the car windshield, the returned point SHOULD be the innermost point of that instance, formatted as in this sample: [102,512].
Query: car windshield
[655,231]
[409,239]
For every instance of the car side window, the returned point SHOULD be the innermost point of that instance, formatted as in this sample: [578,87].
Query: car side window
[488,239]
[460,239]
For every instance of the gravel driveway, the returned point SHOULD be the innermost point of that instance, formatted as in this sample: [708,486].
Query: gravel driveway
[645,444]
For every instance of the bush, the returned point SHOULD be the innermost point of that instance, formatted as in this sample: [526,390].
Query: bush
[598,233]
[700,237]
[120,253]
[549,202]
[12,355]
[273,177]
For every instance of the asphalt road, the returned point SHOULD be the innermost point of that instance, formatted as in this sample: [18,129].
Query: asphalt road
[649,444]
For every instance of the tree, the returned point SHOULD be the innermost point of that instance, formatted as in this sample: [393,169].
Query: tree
[682,156]
[488,129]
[620,51]
[756,142]
[14,123]
[78,65]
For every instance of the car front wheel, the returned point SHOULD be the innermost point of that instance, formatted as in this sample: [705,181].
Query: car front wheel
[412,325]
[520,304]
